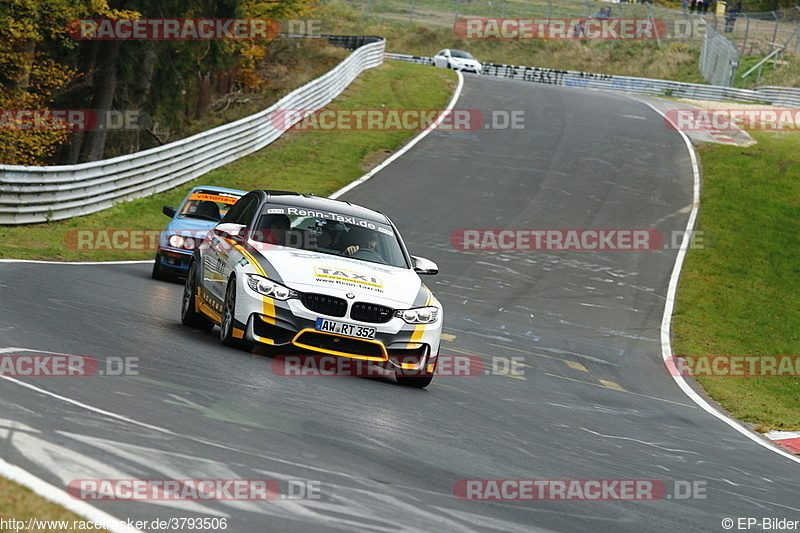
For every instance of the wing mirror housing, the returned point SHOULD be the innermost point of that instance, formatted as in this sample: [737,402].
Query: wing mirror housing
[424,266]
[230,231]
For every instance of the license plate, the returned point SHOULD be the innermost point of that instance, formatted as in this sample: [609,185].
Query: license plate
[351,330]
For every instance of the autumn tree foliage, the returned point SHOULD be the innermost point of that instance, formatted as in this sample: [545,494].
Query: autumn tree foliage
[32,35]
[169,81]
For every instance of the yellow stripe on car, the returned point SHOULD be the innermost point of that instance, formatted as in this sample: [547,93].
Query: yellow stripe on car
[419,329]
[268,311]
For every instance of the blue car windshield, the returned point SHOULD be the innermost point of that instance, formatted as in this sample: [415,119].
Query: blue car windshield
[206,205]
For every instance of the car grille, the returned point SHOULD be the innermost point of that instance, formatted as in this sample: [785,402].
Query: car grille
[335,343]
[377,314]
[324,305]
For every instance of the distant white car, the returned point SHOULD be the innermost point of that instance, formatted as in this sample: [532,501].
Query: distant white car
[458,60]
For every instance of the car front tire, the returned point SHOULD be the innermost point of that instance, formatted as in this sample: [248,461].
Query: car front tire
[158,271]
[416,381]
[228,320]
[189,316]
[415,378]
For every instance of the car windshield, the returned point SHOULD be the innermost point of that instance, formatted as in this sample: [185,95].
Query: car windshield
[462,54]
[329,233]
[207,205]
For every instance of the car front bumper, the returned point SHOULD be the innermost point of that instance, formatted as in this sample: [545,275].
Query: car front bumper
[289,325]
[174,261]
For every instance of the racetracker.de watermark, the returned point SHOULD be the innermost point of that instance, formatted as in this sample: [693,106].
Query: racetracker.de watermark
[577,489]
[318,365]
[397,119]
[71,120]
[194,489]
[56,365]
[749,119]
[150,240]
[734,366]
[175,29]
[572,239]
[575,28]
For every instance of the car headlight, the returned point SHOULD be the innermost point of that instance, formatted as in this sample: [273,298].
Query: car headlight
[270,288]
[179,241]
[176,241]
[419,315]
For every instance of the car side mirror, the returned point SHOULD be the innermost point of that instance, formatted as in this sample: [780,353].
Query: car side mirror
[230,231]
[424,266]
[169,211]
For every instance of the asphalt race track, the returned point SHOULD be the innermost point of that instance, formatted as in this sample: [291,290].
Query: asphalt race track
[587,398]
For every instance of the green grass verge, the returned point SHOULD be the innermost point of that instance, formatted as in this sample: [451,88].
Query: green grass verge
[741,296]
[318,162]
[19,503]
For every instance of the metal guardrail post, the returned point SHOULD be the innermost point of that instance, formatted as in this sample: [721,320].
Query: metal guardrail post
[775,33]
[760,64]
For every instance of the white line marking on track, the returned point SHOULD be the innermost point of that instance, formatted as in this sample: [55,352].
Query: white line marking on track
[669,306]
[40,262]
[407,147]
[58,496]
[173,433]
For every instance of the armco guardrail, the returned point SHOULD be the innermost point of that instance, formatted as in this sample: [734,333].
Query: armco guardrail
[410,59]
[38,194]
[780,96]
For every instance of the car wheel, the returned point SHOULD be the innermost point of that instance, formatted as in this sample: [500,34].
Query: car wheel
[228,316]
[415,378]
[158,271]
[189,316]
[417,381]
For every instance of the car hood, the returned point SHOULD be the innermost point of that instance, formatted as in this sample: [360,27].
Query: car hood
[177,225]
[335,275]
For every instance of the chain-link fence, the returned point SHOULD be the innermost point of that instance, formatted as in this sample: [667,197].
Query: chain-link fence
[759,34]
[754,34]
[719,59]
[446,12]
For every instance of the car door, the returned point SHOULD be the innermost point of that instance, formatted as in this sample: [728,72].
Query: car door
[223,253]
[442,59]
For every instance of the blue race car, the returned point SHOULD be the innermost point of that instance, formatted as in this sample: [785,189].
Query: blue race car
[200,211]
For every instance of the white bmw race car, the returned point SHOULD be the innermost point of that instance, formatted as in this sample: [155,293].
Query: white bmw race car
[315,275]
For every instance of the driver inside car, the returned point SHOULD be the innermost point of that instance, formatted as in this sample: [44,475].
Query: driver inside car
[370,243]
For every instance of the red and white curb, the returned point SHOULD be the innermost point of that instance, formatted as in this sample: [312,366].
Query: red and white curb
[788,440]
[720,137]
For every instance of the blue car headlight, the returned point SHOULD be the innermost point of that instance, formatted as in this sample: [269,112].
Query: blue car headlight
[179,241]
